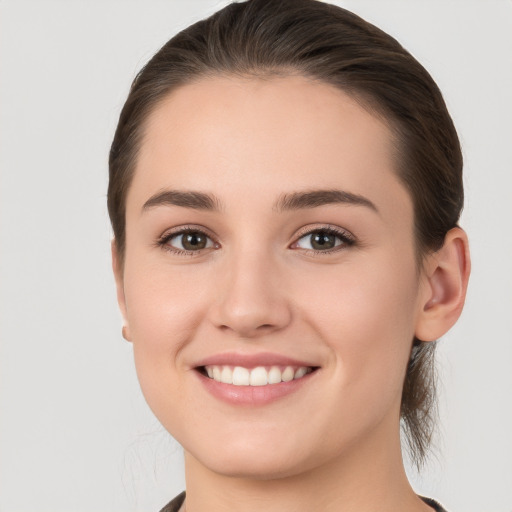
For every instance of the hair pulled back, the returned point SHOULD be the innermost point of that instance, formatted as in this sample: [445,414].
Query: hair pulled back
[265,38]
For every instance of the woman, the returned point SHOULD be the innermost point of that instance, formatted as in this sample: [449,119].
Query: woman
[285,187]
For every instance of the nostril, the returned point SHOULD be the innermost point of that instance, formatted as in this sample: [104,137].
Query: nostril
[245,329]
[248,331]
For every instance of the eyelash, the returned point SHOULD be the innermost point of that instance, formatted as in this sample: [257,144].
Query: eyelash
[163,241]
[347,239]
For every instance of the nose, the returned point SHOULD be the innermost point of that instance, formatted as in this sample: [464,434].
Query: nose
[251,299]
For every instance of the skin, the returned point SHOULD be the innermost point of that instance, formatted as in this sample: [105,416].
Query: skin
[258,287]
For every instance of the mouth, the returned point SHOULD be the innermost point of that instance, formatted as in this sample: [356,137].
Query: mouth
[255,377]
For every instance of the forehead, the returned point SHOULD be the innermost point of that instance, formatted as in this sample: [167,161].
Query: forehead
[243,135]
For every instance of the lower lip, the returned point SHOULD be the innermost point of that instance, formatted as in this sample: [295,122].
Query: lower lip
[253,395]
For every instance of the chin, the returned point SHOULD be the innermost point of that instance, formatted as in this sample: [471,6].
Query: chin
[248,459]
[253,468]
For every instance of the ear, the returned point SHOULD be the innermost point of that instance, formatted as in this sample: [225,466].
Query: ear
[446,275]
[118,275]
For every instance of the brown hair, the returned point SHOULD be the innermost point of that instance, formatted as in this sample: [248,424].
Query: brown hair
[333,45]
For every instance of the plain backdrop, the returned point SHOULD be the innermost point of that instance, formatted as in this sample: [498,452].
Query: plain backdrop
[75,432]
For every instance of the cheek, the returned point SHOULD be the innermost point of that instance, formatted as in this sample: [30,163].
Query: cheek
[163,303]
[365,313]
[164,308]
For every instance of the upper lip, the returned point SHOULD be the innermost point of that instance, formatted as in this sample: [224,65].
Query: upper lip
[252,360]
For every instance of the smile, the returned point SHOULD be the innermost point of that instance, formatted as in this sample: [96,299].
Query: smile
[259,376]
[254,379]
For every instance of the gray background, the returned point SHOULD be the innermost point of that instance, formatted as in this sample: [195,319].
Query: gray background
[75,433]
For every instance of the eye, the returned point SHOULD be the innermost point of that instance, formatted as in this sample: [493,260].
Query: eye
[187,241]
[324,240]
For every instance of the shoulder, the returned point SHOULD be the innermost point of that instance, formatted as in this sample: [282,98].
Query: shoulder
[175,504]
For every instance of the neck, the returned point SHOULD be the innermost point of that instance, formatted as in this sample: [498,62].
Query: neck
[368,477]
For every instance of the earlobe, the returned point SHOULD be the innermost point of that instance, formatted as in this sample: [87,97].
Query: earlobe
[126,333]
[445,285]
[118,275]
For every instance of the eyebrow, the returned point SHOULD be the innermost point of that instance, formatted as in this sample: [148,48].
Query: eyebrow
[185,199]
[286,202]
[316,198]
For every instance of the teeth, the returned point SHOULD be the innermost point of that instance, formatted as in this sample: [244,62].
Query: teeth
[274,375]
[259,376]
[288,374]
[241,376]
[300,372]
[226,375]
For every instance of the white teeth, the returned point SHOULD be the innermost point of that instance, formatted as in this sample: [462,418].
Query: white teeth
[241,376]
[274,375]
[300,372]
[288,374]
[259,376]
[226,375]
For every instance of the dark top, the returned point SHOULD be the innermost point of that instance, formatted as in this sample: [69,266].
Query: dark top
[176,503]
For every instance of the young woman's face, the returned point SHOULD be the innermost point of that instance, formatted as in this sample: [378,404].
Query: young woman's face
[269,239]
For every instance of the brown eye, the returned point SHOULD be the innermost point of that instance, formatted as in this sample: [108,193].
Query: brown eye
[323,240]
[190,241]
[193,241]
